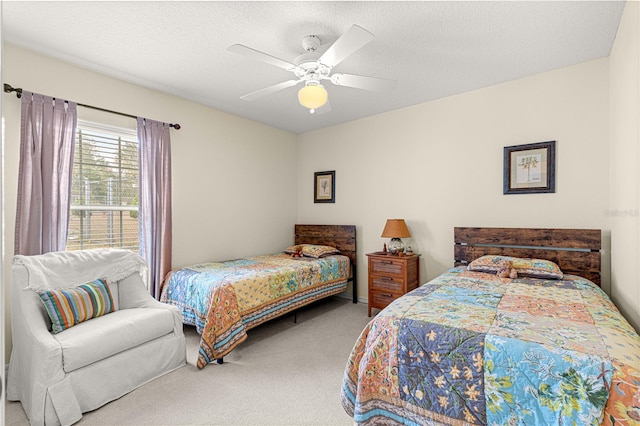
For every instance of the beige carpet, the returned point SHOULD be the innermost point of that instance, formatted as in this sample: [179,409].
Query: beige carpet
[285,373]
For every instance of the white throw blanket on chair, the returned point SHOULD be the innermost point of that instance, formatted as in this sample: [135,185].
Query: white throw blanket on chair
[68,269]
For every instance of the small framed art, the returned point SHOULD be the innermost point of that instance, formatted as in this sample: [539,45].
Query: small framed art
[324,187]
[530,169]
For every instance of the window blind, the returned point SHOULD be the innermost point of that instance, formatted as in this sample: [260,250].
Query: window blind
[104,188]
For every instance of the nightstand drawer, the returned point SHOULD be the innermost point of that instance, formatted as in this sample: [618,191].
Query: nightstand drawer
[387,284]
[381,300]
[387,267]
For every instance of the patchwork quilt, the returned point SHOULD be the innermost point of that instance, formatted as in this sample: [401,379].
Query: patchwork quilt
[225,299]
[473,348]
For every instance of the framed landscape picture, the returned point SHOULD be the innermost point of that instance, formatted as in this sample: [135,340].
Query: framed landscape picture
[324,187]
[530,169]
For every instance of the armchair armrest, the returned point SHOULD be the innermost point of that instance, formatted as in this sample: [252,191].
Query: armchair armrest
[28,317]
[36,357]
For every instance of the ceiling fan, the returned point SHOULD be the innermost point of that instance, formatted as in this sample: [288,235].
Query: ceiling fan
[314,66]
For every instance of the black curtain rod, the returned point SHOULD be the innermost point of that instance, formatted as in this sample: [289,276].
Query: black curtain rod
[8,89]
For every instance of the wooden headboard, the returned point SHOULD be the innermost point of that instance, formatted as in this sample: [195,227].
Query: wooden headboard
[342,237]
[576,251]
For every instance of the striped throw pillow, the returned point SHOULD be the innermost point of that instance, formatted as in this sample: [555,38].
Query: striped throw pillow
[68,307]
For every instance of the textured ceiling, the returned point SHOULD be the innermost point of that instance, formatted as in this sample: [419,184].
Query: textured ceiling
[433,49]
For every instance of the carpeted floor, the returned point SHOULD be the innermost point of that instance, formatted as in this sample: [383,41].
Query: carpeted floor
[285,373]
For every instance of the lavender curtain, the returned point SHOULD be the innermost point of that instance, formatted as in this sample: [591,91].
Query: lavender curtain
[47,133]
[155,199]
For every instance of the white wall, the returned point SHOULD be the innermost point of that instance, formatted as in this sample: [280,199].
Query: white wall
[439,164]
[624,164]
[233,179]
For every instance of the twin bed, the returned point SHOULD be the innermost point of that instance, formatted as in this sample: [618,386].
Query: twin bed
[225,299]
[469,347]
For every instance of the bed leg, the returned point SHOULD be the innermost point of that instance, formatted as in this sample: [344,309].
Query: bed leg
[295,316]
[354,282]
[219,360]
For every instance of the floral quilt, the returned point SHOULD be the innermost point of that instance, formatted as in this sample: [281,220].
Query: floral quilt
[224,299]
[472,348]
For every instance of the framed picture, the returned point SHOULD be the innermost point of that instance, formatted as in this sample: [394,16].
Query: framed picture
[530,169]
[324,187]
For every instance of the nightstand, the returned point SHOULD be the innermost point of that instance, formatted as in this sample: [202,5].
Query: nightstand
[391,276]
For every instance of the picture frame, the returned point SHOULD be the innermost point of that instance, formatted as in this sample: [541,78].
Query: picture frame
[324,187]
[530,168]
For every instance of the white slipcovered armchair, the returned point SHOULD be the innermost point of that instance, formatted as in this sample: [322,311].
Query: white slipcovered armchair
[57,377]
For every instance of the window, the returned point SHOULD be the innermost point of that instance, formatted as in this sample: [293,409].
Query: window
[104,188]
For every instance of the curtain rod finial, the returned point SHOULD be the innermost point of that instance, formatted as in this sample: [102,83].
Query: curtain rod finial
[175,126]
[9,89]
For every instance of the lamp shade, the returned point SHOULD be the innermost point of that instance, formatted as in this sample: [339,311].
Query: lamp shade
[312,96]
[396,228]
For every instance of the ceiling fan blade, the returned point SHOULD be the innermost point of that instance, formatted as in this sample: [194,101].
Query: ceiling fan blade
[362,82]
[348,43]
[260,56]
[268,90]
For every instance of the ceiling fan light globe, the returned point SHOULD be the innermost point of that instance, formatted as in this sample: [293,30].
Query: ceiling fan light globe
[313,96]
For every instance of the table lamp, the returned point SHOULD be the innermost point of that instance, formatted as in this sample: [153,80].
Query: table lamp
[395,229]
